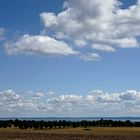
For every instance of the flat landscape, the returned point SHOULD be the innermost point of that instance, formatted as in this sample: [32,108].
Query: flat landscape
[96,133]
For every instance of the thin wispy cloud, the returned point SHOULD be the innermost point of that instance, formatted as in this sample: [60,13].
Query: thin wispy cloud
[2,31]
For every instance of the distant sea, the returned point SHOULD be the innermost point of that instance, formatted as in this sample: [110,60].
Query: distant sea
[133,119]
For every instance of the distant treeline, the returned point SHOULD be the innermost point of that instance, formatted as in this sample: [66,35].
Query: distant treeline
[31,124]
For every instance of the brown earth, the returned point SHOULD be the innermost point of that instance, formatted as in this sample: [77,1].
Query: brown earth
[72,134]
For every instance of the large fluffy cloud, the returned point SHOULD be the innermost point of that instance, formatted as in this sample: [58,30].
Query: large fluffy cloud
[96,21]
[95,103]
[97,25]
[102,22]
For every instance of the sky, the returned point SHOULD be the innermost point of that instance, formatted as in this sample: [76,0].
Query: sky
[64,58]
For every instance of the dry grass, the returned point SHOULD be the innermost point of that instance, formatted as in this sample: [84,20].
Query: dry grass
[72,134]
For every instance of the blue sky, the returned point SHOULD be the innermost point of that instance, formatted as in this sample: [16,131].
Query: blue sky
[71,53]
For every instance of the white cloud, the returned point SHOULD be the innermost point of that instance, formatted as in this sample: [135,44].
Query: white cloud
[102,47]
[69,99]
[50,19]
[96,22]
[29,44]
[2,31]
[80,43]
[90,57]
[83,24]
[130,95]
[103,97]
[126,42]
[38,95]
[96,103]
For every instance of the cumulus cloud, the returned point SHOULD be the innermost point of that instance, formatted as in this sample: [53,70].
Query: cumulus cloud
[30,44]
[130,95]
[95,103]
[96,22]
[83,24]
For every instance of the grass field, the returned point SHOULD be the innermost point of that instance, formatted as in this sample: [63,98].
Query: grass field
[72,134]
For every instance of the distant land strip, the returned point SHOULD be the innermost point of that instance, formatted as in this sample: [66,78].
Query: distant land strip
[41,124]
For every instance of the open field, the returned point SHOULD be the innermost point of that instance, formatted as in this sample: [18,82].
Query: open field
[72,134]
